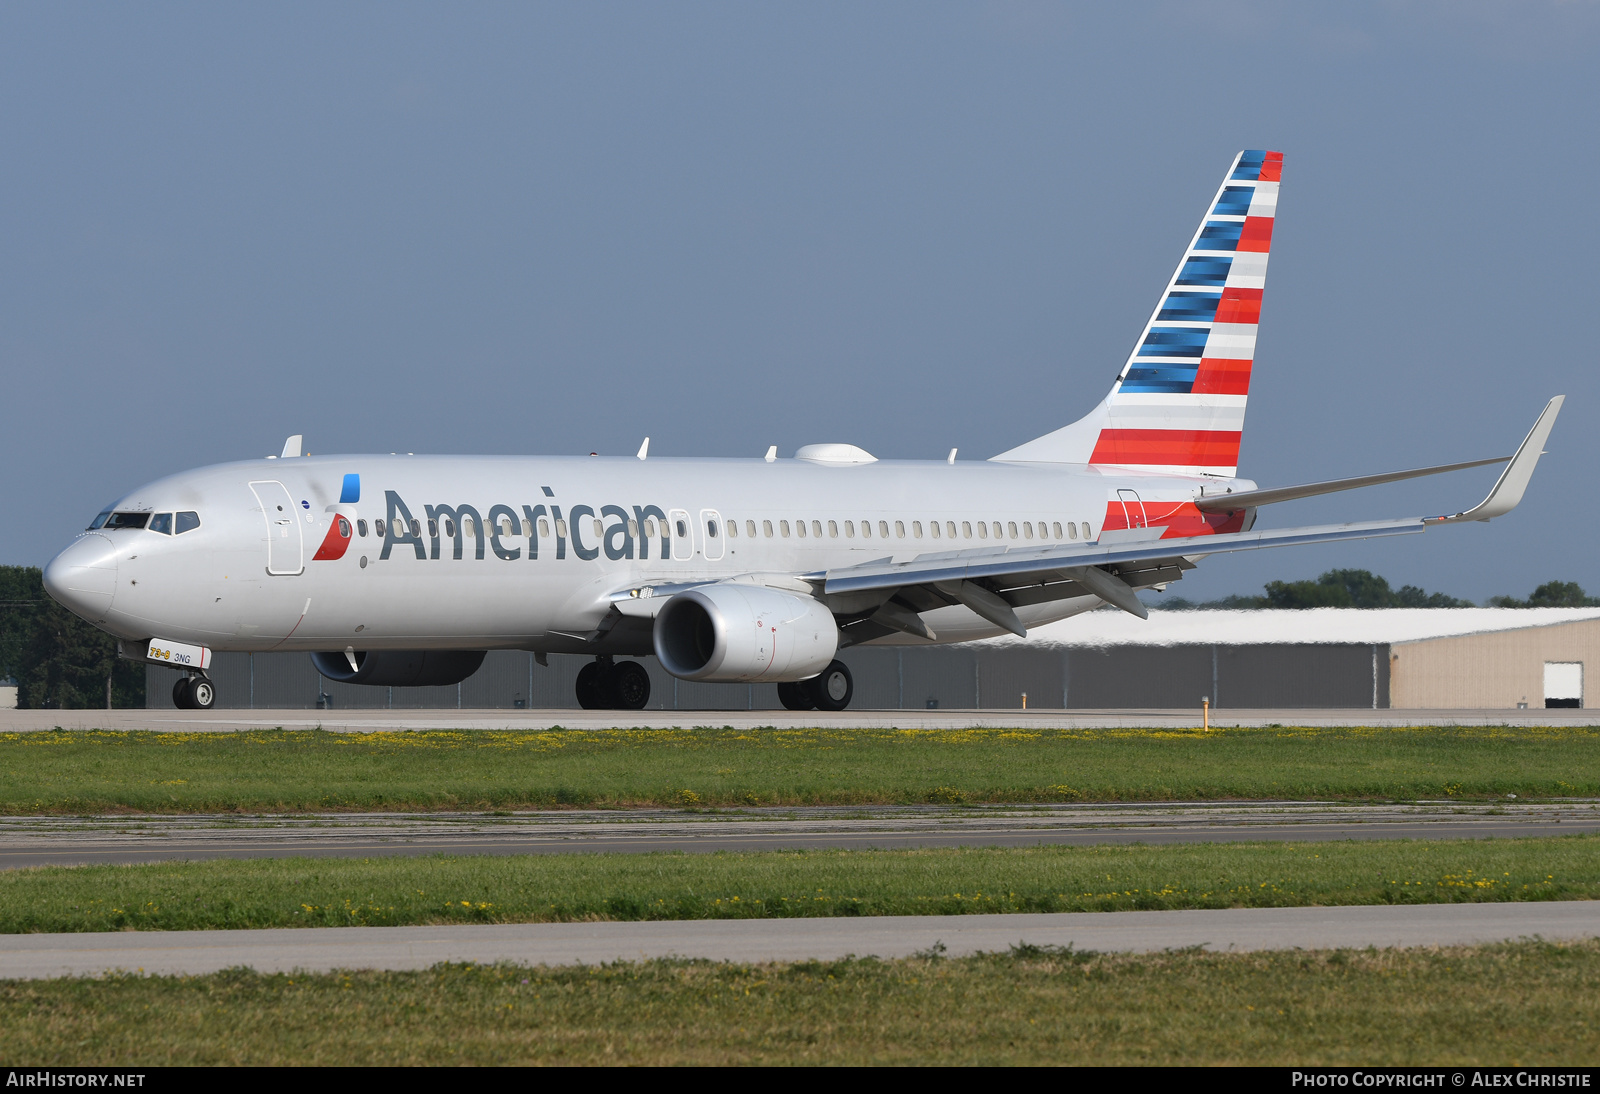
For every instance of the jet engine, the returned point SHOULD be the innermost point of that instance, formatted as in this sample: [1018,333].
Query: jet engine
[734,632]
[400,668]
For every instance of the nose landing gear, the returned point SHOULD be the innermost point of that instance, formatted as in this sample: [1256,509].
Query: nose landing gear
[603,685]
[194,693]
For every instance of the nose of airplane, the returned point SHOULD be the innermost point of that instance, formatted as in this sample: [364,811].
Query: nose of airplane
[83,578]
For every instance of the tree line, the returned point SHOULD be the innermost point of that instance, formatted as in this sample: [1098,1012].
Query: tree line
[1365,589]
[56,658]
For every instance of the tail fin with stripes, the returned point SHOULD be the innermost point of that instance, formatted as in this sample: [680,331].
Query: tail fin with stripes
[1178,403]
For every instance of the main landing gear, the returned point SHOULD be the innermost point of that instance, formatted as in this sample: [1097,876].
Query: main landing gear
[194,693]
[831,689]
[603,685]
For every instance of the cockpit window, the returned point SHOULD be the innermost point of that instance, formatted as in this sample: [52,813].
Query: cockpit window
[187,522]
[99,520]
[161,522]
[127,520]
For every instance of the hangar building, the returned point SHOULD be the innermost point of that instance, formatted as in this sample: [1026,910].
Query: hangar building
[1411,658]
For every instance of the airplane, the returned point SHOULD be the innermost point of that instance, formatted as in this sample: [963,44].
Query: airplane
[403,570]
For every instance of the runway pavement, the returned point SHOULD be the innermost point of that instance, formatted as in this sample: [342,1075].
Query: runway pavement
[356,721]
[34,956]
[37,841]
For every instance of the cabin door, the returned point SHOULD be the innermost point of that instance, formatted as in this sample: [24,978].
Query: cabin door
[1132,508]
[285,539]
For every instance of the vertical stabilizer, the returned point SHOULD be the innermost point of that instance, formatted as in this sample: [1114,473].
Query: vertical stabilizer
[1178,403]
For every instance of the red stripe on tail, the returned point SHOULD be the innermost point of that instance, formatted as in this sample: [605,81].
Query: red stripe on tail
[1257,234]
[1222,376]
[1239,306]
[1168,447]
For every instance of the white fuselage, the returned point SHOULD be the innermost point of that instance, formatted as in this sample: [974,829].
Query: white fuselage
[544,585]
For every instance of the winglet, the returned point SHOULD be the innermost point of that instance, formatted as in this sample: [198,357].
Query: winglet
[1514,479]
[644,449]
[291,447]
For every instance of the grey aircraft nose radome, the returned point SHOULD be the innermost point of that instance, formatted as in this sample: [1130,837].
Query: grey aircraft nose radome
[83,578]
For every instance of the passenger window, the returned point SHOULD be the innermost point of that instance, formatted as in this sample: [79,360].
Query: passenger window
[711,529]
[161,522]
[361,528]
[750,529]
[966,529]
[470,526]
[544,527]
[916,529]
[1058,530]
[800,528]
[816,528]
[1072,530]
[1011,526]
[1027,530]
[883,529]
[950,528]
[683,529]
[433,528]
[850,529]
[866,528]
[1088,533]
[99,520]
[416,528]
[766,528]
[633,528]
[600,531]
[783,526]
[899,529]
[344,528]
[377,526]
[833,529]
[933,527]
[561,529]
[733,529]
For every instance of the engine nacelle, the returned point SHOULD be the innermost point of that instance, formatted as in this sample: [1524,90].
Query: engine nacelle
[733,632]
[401,668]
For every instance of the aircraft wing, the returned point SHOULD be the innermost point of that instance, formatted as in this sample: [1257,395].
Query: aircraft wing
[888,593]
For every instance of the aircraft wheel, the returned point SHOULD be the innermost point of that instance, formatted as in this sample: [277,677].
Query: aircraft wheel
[181,695]
[628,686]
[833,689]
[796,696]
[591,686]
[202,694]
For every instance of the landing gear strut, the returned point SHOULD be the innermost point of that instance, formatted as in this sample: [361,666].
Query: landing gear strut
[194,693]
[604,685]
[831,689]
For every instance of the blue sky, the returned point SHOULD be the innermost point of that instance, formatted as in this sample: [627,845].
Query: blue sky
[557,228]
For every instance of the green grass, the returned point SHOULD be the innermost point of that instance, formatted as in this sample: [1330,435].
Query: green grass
[943,881]
[101,771]
[1519,1004]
